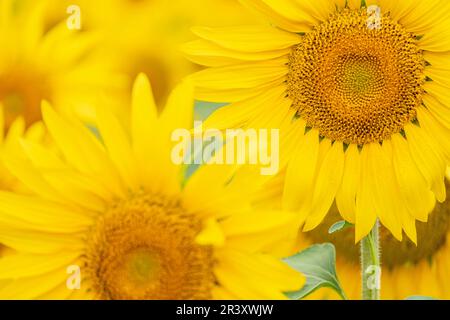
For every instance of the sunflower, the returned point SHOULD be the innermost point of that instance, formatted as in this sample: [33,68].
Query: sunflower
[55,63]
[408,270]
[363,108]
[144,36]
[9,146]
[117,212]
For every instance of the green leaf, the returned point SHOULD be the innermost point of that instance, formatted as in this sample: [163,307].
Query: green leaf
[339,226]
[420,298]
[318,264]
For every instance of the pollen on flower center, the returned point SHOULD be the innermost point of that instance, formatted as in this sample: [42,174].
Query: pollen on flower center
[354,83]
[144,248]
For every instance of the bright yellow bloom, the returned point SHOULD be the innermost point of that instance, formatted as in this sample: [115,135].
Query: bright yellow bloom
[407,269]
[117,210]
[361,100]
[39,62]
[145,36]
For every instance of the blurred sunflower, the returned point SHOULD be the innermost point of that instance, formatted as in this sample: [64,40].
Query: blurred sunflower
[408,270]
[39,62]
[117,210]
[145,35]
[360,96]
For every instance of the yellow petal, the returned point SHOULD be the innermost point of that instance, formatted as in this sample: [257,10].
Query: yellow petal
[433,26]
[150,144]
[236,285]
[437,61]
[210,54]
[249,38]
[61,292]
[118,145]
[320,10]
[440,111]
[31,178]
[179,110]
[237,114]
[31,287]
[35,242]
[346,195]
[36,132]
[82,150]
[397,9]
[365,209]
[434,128]
[438,91]
[32,27]
[143,116]
[235,95]
[256,221]
[438,75]
[289,22]
[78,190]
[421,16]
[220,293]
[16,130]
[384,190]
[300,172]
[273,272]
[144,111]
[430,164]
[211,234]
[267,119]
[327,184]
[27,212]
[26,265]
[241,76]
[412,185]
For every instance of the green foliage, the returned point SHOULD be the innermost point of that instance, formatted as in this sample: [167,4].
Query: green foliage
[318,264]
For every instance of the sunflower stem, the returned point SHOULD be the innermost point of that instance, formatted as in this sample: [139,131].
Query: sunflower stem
[371,265]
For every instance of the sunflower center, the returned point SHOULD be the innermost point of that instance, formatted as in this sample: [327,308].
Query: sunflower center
[144,248]
[431,236]
[354,83]
[21,93]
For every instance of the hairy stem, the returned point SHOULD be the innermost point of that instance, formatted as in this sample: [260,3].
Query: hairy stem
[371,265]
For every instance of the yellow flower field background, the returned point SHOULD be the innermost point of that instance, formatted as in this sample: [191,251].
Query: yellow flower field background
[355,96]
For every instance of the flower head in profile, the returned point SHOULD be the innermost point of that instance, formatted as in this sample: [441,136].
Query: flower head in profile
[116,212]
[359,90]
